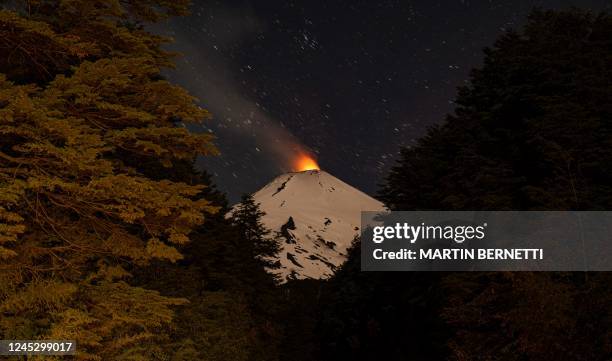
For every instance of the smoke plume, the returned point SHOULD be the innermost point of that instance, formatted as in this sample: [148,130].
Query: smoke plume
[203,70]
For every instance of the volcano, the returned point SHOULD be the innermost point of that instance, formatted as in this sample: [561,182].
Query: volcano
[315,217]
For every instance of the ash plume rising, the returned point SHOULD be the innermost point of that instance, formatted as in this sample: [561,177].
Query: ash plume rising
[265,147]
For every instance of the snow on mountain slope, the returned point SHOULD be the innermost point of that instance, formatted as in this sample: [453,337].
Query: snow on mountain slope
[316,216]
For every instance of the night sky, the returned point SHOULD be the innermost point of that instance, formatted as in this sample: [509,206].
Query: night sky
[350,81]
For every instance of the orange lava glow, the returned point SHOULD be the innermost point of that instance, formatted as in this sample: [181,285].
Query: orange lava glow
[305,162]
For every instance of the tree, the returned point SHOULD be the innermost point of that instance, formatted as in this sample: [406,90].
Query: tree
[232,310]
[81,103]
[386,315]
[43,38]
[255,259]
[246,217]
[532,131]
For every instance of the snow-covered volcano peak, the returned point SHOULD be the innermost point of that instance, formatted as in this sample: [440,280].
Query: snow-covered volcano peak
[316,216]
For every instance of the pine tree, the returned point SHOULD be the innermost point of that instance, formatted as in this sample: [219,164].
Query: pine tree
[256,260]
[246,217]
[82,107]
